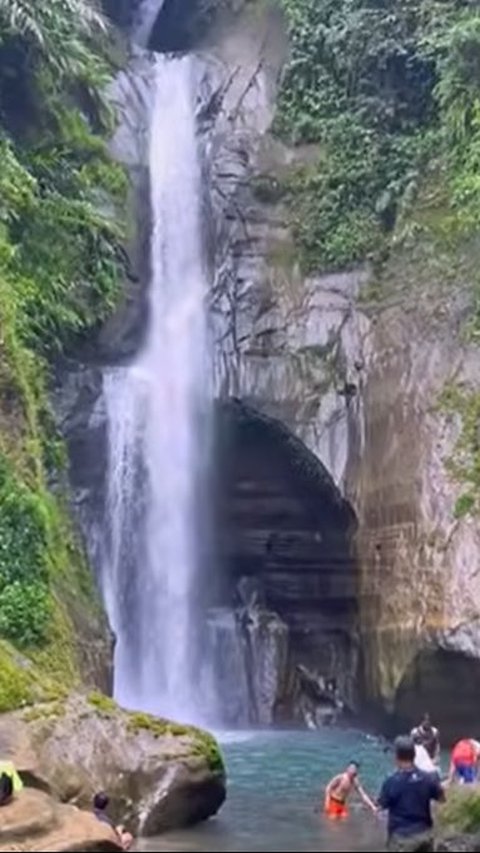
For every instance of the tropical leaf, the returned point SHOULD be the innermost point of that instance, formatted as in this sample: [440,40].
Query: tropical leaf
[41,18]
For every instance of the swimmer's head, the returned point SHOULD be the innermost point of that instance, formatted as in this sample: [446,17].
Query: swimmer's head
[352,769]
[426,722]
[101,801]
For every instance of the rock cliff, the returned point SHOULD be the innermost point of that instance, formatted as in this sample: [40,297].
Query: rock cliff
[347,562]
[374,373]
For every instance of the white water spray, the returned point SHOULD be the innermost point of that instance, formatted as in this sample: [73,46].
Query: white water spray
[144,21]
[157,412]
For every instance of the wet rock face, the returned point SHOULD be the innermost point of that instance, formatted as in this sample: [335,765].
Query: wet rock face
[290,347]
[284,542]
[280,349]
[360,383]
[420,592]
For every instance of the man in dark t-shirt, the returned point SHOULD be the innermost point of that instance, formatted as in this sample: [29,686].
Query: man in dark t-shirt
[407,796]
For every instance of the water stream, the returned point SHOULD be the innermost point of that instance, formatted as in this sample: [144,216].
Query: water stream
[157,410]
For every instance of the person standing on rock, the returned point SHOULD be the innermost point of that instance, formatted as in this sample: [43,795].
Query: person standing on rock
[427,736]
[339,790]
[407,797]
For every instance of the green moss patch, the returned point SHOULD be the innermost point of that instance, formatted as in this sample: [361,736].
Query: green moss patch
[103,704]
[462,402]
[204,744]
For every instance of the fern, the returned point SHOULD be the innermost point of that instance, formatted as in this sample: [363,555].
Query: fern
[65,32]
[39,20]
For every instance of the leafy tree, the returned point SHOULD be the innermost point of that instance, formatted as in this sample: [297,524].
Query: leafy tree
[382,86]
[60,266]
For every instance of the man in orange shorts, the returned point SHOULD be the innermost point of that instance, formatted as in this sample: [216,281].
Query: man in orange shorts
[339,790]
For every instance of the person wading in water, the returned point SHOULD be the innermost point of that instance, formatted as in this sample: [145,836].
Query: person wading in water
[339,790]
[465,762]
[407,796]
[427,736]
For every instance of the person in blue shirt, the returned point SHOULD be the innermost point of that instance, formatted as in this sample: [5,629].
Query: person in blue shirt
[407,796]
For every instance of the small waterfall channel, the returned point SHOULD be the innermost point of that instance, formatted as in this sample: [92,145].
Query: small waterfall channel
[158,413]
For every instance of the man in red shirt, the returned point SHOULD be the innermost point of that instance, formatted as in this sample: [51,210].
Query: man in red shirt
[465,762]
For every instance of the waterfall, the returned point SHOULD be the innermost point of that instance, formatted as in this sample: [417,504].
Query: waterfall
[158,417]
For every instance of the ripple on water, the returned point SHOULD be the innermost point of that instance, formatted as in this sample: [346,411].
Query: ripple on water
[275,781]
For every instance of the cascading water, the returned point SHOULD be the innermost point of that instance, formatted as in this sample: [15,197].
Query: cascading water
[158,416]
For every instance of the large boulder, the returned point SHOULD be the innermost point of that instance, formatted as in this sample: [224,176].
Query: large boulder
[34,821]
[159,775]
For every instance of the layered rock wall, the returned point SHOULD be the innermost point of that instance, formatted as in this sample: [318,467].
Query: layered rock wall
[356,365]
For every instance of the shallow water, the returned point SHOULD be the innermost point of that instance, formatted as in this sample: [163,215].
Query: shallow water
[275,781]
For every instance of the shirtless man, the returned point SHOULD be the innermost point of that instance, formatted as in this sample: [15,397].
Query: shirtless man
[428,736]
[339,790]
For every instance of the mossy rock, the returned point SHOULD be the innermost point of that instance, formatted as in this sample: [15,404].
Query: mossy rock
[204,744]
[159,774]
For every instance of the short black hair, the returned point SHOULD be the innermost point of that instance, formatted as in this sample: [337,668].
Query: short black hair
[101,801]
[355,764]
[405,749]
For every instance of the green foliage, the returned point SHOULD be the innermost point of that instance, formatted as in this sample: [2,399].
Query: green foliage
[463,404]
[58,178]
[24,596]
[384,90]
[25,610]
[464,505]
[58,33]
[458,92]
[461,813]
[61,263]
[104,704]
[16,684]
[44,711]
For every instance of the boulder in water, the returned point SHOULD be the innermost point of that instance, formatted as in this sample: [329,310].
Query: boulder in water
[158,774]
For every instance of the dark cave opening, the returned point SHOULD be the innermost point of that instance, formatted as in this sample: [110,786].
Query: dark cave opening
[181,25]
[447,685]
[284,535]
